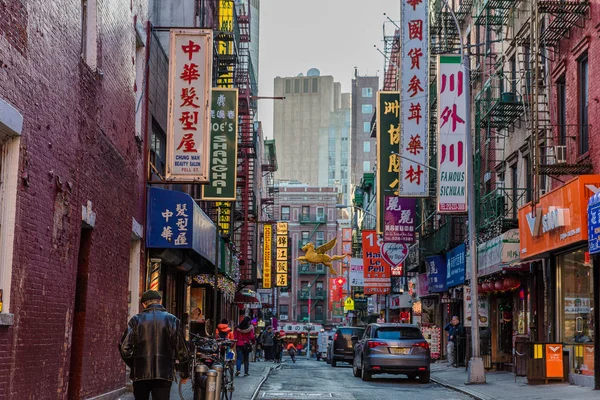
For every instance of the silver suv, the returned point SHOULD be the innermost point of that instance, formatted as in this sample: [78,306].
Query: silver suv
[391,349]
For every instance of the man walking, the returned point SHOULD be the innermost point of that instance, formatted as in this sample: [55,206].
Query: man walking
[268,343]
[455,330]
[148,346]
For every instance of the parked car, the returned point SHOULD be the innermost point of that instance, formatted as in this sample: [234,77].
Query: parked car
[391,349]
[342,348]
[329,343]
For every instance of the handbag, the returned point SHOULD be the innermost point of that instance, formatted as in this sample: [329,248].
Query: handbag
[248,346]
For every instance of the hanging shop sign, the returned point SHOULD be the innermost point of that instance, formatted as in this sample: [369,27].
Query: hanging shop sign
[357,277]
[433,336]
[223,146]
[436,273]
[225,44]
[224,217]
[559,219]
[452,114]
[423,286]
[399,215]
[300,327]
[376,270]
[413,130]
[483,309]
[346,234]
[282,254]
[388,145]
[455,265]
[267,256]
[497,254]
[594,223]
[394,254]
[188,125]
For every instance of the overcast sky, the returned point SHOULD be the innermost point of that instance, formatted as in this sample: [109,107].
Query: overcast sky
[333,36]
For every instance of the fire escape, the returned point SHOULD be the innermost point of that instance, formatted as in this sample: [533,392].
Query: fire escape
[268,167]
[246,207]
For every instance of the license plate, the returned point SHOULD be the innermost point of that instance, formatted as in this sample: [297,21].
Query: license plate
[399,350]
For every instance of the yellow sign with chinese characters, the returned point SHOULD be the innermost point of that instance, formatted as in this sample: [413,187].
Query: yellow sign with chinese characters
[225,42]
[282,254]
[282,267]
[224,217]
[282,280]
[282,241]
[267,245]
[282,228]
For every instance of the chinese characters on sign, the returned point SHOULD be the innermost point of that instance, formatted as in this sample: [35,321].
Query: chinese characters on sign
[223,146]
[179,236]
[399,215]
[483,308]
[452,130]
[190,78]
[282,254]
[357,277]
[436,273]
[376,271]
[413,126]
[267,243]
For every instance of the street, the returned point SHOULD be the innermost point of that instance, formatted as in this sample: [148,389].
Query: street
[317,380]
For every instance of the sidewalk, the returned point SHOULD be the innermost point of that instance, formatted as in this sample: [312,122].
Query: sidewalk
[245,386]
[502,385]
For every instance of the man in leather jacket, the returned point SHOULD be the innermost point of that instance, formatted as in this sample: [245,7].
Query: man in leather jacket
[151,343]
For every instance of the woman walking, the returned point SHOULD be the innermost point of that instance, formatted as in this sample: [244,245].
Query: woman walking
[244,334]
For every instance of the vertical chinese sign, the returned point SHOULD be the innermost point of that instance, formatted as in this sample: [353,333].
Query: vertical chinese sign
[224,41]
[347,241]
[281,278]
[452,132]
[414,99]
[223,146]
[399,216]
[190,79]
[376,271]
[388,140]
[267,247]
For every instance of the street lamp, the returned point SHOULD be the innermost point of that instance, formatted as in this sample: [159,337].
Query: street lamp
[308,326]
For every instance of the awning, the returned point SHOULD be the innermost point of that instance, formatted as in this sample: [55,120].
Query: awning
[247,299]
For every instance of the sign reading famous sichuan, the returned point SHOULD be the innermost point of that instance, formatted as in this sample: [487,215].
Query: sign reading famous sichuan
[223,146]
[188,129]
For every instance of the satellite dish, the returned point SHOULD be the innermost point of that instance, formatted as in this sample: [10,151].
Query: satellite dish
[313,72]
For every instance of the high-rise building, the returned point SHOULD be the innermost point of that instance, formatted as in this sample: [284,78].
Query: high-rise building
[312,127]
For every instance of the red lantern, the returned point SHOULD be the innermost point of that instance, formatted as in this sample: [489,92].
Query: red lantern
[511,283]
[498,285]
[485,287]
[480,288]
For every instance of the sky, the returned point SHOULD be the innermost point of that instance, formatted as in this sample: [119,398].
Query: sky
[333,36]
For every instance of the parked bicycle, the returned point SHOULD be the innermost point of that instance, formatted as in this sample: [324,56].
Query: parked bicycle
[210,351]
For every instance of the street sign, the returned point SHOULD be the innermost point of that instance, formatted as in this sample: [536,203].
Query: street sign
[349,304]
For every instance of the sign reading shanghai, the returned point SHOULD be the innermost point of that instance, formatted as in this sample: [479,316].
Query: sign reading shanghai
[451,151]
[388,163]
[223,146]
[188,128]
[414,92]
[399,220]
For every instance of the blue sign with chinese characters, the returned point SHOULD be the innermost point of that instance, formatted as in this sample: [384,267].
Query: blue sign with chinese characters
[175,221]
[436,273]
[455,266]
[594,224]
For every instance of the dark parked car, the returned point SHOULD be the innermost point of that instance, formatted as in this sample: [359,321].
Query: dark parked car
[391,349]
[342,348]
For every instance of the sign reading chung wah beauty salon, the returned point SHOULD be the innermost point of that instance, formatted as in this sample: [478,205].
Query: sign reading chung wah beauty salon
[188,128]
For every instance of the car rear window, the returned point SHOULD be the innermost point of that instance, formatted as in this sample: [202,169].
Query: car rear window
[394,333]
[351,331]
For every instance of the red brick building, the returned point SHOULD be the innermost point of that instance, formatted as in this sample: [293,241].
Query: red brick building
[71,193]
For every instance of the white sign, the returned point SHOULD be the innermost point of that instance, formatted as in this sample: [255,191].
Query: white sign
[300,328]
[452,116]
[484,317]
[414,99]
[357,277]
[190,81]
[394,253]
[501,250]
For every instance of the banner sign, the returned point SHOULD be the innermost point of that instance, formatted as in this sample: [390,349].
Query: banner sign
[452,113]
[484,318]
[357,277]
[225,43]
[399,215]
[267,246]
[436,273]
[223,146]
[388,142]
[593,213]
[414,99]
[456,262]
[282,254]
[376,271]
[188,125]
[346,234]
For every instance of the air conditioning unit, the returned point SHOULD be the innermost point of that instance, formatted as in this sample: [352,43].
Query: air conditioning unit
[320,218]
[283,317]
[560,154]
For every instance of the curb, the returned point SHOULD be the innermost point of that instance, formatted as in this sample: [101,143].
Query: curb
[263,380]
[458,389]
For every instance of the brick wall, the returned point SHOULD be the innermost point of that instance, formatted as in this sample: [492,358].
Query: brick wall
[78,144]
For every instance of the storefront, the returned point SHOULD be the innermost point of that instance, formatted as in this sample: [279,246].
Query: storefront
[436,286]
[557,228]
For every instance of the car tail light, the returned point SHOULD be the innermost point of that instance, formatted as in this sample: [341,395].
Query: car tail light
[424,345]
[376,344]
[335,337]
[422,369]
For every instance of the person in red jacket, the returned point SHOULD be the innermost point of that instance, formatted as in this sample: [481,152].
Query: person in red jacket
[223,330]
[244,334]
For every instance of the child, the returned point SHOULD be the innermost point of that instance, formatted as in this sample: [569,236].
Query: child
[292,351]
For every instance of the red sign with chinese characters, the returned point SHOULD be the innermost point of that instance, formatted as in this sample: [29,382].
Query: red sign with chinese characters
[190,78]
[376,269]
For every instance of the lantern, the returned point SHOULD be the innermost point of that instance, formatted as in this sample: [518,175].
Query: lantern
[511,283]
[485,287]
[480,288]
[498,285]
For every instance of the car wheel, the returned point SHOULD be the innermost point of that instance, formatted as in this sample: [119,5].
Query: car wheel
[424,377]
[355,370]
[366,375]
[333,363]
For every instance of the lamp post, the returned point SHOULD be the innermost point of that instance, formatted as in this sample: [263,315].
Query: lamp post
[308,326]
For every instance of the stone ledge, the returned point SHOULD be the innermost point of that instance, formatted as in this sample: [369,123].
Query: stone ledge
[7,319]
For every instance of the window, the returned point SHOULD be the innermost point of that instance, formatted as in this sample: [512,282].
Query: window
[367,147]
[515,184]
[305,237]
[367,92]
[319,285]
[561,112]
[320,214]
[296,85]
[528,181]
[394,333]
[320,238]
[89,33]
[367,109]
[366,166]
[366,127]
[315,85]
[303,311]
[584,144]
[513,75]
[284,309]
[305,213]
[285,213]
[288,86]
[319,313]
[158,150]
[305,85]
